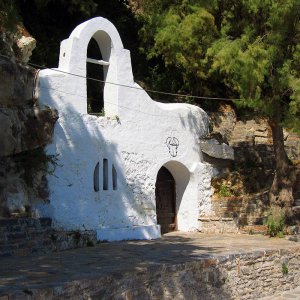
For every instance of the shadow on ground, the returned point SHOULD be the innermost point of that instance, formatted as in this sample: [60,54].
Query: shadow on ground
[179,266]
[146,268]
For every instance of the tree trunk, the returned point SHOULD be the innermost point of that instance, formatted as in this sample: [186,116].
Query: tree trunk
[281,192]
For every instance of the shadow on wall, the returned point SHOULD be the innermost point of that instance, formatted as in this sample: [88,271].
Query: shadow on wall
[74,204]
[195,122]
[191,120]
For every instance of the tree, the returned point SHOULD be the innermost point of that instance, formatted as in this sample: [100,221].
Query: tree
[250,47]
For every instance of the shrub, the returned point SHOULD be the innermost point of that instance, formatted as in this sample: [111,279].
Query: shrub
[284,269]
[280,234]
[275,222]
[224,191]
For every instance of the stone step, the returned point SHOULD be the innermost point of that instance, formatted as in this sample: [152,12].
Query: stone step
[24,236]
[14,223]
[23,228]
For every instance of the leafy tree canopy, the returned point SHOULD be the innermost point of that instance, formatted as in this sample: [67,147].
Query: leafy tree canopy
[250,47]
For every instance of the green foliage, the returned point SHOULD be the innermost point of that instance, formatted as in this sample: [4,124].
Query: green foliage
[284,269]
[246,49]
[225,191]
[280,234]
[173,40]
[180,40]
[275,222]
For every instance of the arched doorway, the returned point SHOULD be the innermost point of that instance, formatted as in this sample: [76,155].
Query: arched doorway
[165,195]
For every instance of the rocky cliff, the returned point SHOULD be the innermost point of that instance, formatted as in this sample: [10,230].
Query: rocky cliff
[25,127]
[253,167]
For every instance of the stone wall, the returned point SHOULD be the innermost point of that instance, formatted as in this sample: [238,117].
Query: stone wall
[24,236]
[235,276]
[234,214]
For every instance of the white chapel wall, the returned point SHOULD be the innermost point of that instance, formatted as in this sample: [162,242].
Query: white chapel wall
[133,137]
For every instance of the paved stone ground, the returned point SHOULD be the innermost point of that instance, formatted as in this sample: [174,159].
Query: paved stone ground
[40,271]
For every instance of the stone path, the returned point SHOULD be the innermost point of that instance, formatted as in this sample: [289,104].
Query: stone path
[21,274]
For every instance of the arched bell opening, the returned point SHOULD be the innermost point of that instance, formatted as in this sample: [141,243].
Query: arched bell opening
[97,64]
[95,79]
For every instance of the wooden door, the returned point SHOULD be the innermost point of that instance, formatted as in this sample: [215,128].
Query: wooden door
[165,201]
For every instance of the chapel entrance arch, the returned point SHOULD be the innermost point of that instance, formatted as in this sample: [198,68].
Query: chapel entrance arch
[165,195]
[171,183]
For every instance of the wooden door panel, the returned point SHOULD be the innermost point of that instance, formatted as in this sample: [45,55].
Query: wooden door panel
[165,200]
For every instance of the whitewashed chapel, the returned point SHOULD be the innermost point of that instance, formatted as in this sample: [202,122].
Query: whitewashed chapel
[135,172]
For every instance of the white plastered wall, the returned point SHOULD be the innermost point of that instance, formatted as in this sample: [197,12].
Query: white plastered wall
[132,137]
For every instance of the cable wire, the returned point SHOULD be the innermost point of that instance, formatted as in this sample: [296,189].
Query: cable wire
[132,87]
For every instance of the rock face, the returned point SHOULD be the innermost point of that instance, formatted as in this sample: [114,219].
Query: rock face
[251,139]
[213,148]
[26,44]
[224,121]
[25,128]
[16,83]
[17,43]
